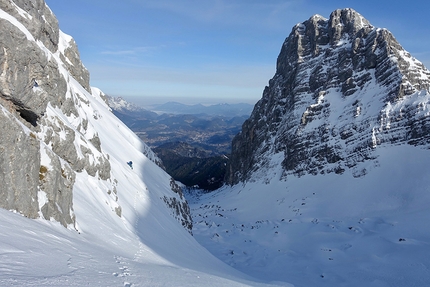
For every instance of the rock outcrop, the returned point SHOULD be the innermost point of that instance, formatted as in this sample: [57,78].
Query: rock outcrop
[342,88]
[37,62]
[49,117]
[19,166]
[37,18]
[179,206]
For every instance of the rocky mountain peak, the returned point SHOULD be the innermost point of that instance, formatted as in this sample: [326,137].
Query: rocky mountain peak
[340,87]
[346,21]
[311,36]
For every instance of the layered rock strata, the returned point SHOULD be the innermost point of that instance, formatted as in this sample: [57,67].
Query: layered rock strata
[342,88]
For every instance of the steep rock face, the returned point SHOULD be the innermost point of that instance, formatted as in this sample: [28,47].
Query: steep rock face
[50,116]
[56,190]
[37,18]
[37,64]
[19,166]
[342,88]
[31,77]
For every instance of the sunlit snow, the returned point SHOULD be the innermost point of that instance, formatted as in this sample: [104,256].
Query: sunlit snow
[326,230]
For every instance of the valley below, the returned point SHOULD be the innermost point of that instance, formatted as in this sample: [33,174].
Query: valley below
[193,141]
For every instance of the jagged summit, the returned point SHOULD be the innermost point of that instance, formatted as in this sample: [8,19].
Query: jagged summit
[346,21]
[342,88]
[319,32]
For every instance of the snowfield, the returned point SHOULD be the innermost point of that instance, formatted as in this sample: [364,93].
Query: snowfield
[326,230]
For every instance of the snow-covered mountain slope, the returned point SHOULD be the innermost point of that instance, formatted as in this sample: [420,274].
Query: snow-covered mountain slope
[74,212]
[330,174]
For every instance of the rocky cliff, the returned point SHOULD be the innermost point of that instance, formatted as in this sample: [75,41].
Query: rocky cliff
[48,118]
[342,89]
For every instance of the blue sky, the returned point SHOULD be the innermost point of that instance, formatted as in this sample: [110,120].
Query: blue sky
[205,51]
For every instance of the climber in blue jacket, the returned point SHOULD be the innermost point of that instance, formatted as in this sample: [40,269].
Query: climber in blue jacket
[130,164]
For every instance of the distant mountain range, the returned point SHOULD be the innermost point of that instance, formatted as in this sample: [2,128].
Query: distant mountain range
[228,110]
[211,132]
[119,104]
[191,140]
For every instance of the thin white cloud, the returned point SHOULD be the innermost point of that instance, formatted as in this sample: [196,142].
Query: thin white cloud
[267,14]
[132,51]
[123,52]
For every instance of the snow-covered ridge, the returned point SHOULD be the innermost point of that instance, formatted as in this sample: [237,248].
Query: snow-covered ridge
[121,105]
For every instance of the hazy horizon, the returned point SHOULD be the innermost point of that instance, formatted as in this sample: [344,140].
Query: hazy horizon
[145,101]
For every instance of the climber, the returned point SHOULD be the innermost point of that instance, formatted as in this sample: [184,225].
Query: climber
[130,164]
